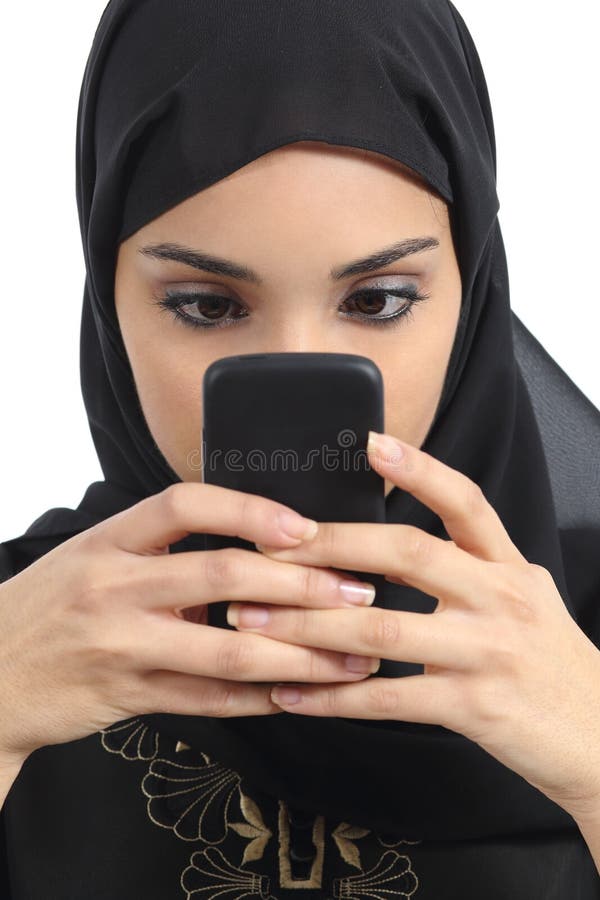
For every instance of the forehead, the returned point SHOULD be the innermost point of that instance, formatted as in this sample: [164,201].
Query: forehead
[384,162]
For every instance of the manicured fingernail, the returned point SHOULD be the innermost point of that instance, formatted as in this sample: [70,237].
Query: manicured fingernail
[384,445]
[285,696]
[357,593]
[247,616]
[362,664]
[296,526]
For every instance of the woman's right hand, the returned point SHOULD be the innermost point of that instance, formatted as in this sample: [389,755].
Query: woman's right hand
[93,631]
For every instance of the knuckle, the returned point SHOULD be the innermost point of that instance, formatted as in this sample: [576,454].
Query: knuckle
[328,700]
[319,662]
[313,665]
[90,595]
[100,586]
[171,500]
[326,539]
[256,511]
[235,658]
[381,631]
[221,703]
[475,499]
[383,699]
[516,600]
[539,574]
[110,651]
[222,568]
[417,546]
[310,581]
[498,651]
[484,700]
[526,610]
[509,590]
[86,598]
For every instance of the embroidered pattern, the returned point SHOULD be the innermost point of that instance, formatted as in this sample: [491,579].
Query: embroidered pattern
[211,875]
[192,800]
[204,802]
[392,876]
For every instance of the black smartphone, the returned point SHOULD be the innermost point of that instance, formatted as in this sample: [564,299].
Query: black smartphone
[293,427]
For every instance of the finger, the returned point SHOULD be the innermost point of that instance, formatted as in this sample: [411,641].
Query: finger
[184,579]
[470,520]
[446,639]
[179,646]
[429,699]
[191,507]
[433,565]
[194,695]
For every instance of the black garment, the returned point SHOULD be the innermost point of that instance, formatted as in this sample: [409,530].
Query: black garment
[175,96]
[131,813]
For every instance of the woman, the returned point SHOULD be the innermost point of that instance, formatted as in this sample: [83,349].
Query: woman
[309,176]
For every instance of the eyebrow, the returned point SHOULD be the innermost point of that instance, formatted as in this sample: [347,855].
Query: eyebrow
[219,266]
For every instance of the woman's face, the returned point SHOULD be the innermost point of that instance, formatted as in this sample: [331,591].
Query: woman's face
[294,216]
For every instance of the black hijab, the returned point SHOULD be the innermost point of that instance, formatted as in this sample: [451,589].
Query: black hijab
[177,95]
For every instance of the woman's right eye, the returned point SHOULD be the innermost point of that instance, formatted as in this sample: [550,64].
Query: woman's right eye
[214,310]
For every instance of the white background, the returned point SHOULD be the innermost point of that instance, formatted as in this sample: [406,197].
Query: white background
[541,64]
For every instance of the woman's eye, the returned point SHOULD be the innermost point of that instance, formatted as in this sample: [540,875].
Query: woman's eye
[370,306]
[381,307]
[200,310]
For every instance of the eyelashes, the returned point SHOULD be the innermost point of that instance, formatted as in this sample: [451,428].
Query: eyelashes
[174,302]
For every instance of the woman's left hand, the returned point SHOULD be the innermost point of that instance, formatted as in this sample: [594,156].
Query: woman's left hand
[504,662]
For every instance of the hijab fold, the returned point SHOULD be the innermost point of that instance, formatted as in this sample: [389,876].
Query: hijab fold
[175,97]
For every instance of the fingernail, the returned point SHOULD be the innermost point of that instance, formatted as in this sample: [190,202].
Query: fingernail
[362,664]
[285,696]
[247,616]
[384,445]
[296,526]
[357,593]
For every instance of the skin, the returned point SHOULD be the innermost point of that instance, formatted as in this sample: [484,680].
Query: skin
[292,215]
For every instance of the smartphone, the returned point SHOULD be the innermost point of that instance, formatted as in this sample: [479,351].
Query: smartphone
[293,427]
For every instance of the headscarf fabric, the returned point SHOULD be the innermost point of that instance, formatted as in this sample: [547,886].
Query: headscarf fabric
[176,96]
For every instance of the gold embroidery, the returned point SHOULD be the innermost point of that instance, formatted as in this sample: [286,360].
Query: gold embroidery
[131,739]
[224,879]
[254,828]
[194,800]
[390,841]
[392,876]
[198,797]
[285,874]
[342,836]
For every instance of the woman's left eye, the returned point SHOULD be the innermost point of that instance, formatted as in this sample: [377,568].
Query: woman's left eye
[372,301]
[369,303]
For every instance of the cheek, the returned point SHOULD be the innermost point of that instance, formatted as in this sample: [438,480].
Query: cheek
[169,385]
[172,407]
[414,375]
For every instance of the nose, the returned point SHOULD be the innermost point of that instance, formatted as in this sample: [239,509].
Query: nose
[299,336]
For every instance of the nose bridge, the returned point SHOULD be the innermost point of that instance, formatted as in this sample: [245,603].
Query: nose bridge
[303,331]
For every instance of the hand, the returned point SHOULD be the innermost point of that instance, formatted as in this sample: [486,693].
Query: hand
[95,631]
[504,662]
